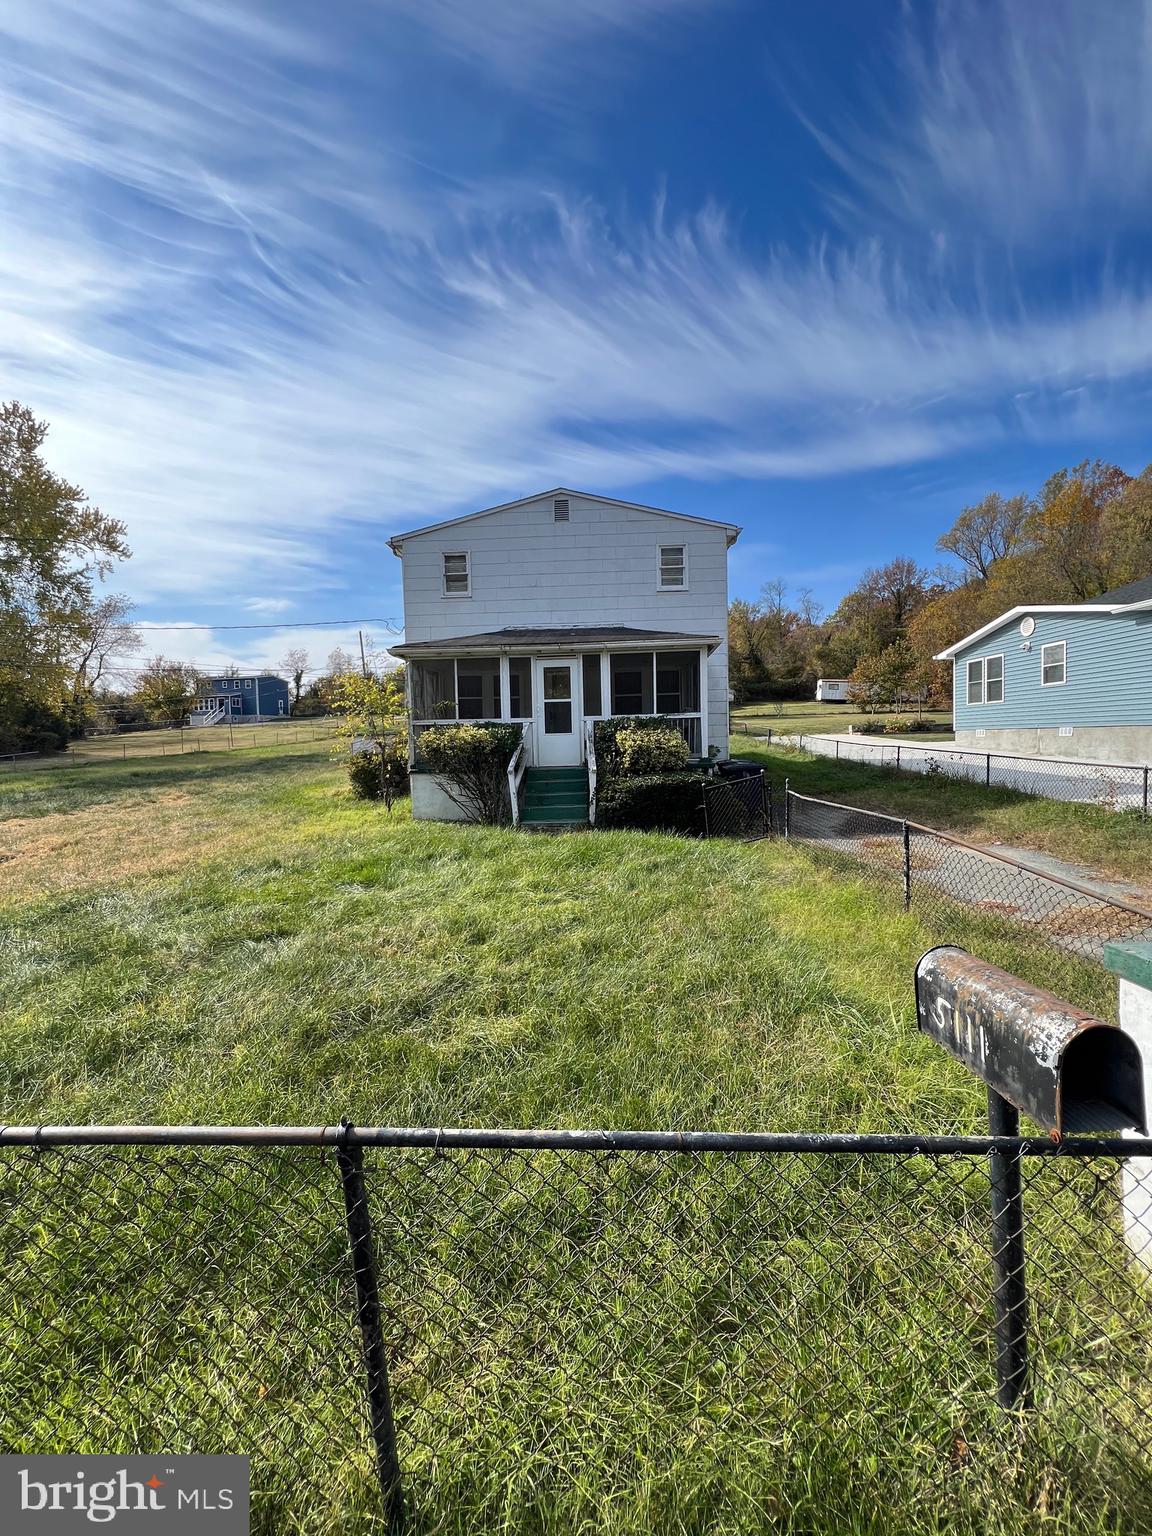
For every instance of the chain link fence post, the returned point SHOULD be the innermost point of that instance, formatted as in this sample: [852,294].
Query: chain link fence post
[350,1159]
[787,808]
[907,841]
[1009,1291]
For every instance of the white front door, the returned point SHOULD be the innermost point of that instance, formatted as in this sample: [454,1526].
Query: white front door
[558,715]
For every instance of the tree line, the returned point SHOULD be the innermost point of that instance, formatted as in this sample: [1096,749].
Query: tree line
[1087,530]
[71,659]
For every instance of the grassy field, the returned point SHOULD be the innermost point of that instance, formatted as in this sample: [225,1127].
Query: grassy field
[1117,844]
[127,745]
[795,719]
[615,1346]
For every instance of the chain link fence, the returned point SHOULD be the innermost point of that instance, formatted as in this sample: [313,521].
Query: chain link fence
[738,807]
[938,873]
[463,1332]
[1115,786]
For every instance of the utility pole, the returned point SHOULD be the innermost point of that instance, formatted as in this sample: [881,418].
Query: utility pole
[363,659]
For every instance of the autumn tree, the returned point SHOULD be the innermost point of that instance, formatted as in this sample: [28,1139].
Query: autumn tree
[875,615]
[54,547]
[295,663]
[166,690]
[985,533]
[101,641]
[372,725]
[772,644]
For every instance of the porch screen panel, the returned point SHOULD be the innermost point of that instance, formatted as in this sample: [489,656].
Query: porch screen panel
[520,687]
[433,690]
[478,688]
[631,675]
[677,683]
[592,700]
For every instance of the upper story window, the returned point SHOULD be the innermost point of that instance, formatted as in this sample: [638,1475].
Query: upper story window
[1054,664]
[985,678]
[247,682]
[457,574]
[673,567]
[560,509]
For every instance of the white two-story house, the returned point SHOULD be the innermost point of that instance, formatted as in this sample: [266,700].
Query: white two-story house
[564,608]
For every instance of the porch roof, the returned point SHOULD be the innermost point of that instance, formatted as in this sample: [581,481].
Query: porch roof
[579,637]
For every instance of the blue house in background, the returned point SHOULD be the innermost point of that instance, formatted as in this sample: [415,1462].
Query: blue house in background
[1060,679]
[251,697]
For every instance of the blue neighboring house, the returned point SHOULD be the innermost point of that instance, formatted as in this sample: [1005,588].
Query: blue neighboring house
[1060,679]
[251,697]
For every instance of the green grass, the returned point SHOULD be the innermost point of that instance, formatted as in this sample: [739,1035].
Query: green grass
[235,940]
[127,745]
[1115,843]
[794,719]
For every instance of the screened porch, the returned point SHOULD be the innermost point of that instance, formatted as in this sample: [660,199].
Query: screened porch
[555,695]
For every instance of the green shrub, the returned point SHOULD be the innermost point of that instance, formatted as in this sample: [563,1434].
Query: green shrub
[663,750]
[670,802]
[379,775]
[607,735]
[900,725]
[473,762]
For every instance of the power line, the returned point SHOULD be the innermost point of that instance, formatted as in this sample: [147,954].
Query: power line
[310,624]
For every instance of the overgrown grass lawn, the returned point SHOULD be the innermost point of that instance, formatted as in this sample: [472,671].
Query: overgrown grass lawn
[609,1345]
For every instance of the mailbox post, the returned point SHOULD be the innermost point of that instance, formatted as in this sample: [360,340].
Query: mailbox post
[1131,963]
[1063,1068]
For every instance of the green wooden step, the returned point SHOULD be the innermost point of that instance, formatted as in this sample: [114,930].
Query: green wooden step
[554,816]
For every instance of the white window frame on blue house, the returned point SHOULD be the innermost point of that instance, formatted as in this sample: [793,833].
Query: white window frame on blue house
[1062,647]
[981,663]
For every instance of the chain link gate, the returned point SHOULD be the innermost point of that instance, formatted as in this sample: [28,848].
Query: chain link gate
[738,807]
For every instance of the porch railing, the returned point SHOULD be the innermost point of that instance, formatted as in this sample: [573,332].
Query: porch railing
[689,728]
[590,763]
[517,767]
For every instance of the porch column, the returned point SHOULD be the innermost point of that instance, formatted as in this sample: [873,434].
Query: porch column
[605,683]
[505,690]
[703,701]
[408,703]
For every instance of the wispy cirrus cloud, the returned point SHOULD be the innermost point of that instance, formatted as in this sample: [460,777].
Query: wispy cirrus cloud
[1027,122]
[273,321]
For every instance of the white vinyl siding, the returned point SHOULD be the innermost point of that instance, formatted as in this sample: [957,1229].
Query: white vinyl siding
[986,680]
[600,568]
[672,568]
[1054,664]
[457,574]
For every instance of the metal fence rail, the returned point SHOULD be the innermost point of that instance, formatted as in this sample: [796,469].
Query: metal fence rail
[462,1331]
[936,871]
[1115,786]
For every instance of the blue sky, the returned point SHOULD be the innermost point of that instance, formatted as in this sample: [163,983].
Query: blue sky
[287,278]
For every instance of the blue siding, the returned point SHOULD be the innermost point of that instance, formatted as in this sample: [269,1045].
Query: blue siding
[1109,673]
[271,692]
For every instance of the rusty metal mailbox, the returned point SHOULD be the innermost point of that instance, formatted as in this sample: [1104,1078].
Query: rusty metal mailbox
[1066,1070]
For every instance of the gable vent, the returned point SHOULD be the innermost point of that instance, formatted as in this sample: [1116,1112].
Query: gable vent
[560,509]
